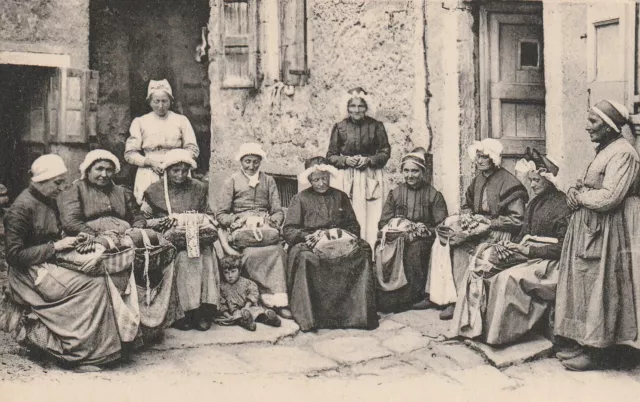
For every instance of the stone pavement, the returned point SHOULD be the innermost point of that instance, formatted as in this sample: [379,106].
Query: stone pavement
[407,350]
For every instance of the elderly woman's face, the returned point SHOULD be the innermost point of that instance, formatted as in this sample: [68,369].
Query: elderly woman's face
[100,173]
[483,162]
[320,181]
[357,108]
[596,127]
[539,185]
[160,103]
[178,173]
[53,187]
[250,164]
[413,174]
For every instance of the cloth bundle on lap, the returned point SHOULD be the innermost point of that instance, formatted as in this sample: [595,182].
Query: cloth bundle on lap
[254,232]
[335,243]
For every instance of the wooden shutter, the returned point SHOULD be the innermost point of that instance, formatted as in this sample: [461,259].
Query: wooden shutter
[239,43]
[294,42]
[73,105]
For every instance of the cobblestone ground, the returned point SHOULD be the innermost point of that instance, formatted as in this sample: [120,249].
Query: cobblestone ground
[407,358]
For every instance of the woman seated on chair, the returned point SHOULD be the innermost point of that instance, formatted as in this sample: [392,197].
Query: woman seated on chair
[496,199]
[504,307]
[332,287]
[417,204]
[250,203]
[197,278]
[95,205]
[67,313]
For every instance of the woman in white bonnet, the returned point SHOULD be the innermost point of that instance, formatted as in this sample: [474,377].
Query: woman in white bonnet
[68,313]
[360,149]
[156,133]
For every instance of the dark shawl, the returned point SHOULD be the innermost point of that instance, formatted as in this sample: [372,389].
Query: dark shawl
[189,196]
[424,204]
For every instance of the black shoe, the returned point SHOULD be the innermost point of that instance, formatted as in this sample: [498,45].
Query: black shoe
[447,313]
[203,317]
[246,321]
[270,318]
[183,324]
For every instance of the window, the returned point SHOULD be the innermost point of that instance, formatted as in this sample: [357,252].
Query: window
[239,43]
[293,39]
[529,54]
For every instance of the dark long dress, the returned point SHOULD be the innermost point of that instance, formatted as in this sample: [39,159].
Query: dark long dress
[71,316]
[423,204]
[367,187]
[337,293]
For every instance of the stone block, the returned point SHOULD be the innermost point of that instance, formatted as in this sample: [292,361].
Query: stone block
[205,361]
[462,355]
[386,368]
[533,348]
[426,321]
[430,360]
[222,335]
[389,325]
[483,379]
[278,359]
[406,341]
[352,349]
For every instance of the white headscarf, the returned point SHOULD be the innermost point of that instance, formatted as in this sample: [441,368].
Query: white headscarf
[612,113]
[159,87]
[303,178]
[489,146]
[356,93]
[525,167]
[47,167]
[251,148]
[178,155]
[98,155]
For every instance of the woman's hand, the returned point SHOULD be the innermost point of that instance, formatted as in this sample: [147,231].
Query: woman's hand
[238,222]
[422,230]
[519,248]
[66,243]
[572,198]
[153,165]
[352,161]
[312,239]
[363,163]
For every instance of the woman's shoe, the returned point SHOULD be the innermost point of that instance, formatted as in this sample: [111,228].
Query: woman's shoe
[203,324]
[87,368]
[423,305]
[284,312]
[447,313]
[570,353]
[584,362]
[183,324]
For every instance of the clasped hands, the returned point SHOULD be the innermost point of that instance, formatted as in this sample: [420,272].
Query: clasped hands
[358,161]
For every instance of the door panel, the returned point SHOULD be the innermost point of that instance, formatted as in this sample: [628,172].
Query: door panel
[516,82]
[610,52]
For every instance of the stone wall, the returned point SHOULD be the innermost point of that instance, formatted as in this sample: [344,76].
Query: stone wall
[46,26]
[377,45]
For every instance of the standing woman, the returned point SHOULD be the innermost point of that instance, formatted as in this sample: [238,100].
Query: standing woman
[599,267]
[417,201]
[154,134]
[360,149]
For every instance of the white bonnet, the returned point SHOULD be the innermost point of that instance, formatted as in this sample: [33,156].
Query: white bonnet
[178,155]
[98,155]
[489,146]
[47,167]
[251,148]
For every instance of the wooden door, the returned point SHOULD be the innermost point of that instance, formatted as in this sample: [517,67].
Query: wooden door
[611,31]
[512,67]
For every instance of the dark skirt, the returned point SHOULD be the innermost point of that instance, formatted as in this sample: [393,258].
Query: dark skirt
[416,269]
[337,293]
